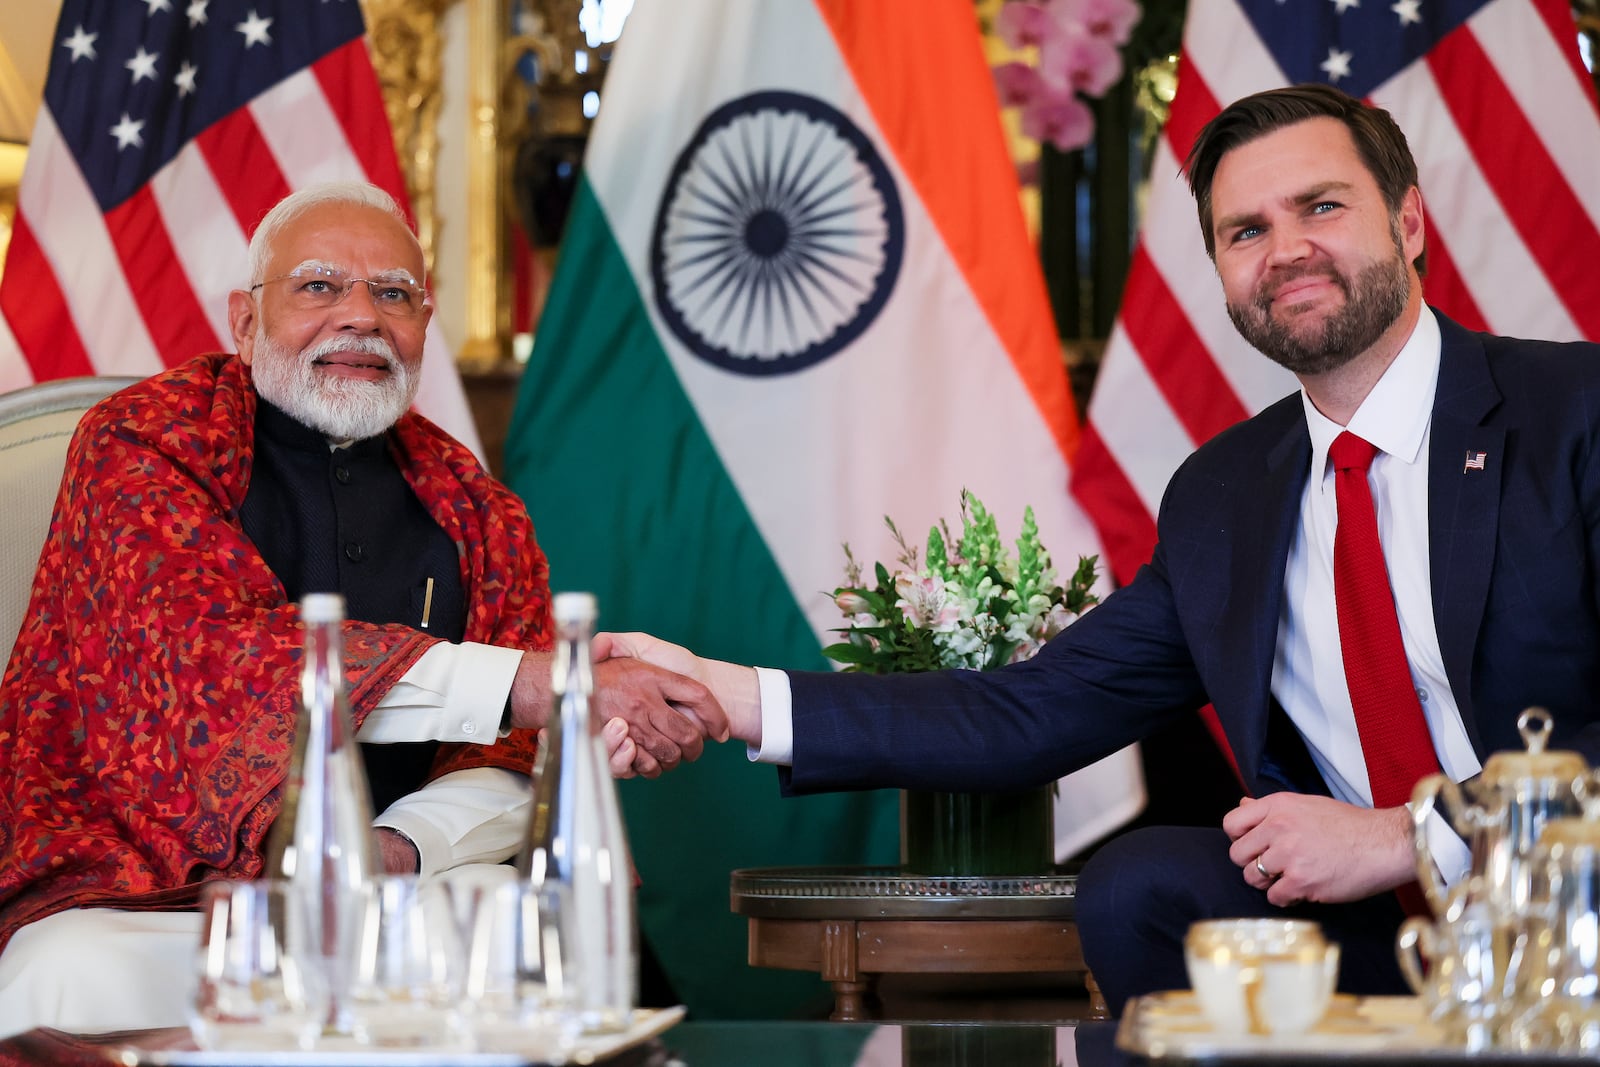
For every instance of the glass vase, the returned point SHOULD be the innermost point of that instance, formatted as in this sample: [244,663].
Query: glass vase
[978,834]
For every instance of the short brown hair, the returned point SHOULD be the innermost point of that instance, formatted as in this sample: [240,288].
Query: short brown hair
[1378,140]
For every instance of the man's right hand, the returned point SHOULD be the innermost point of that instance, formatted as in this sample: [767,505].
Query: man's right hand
[668,715]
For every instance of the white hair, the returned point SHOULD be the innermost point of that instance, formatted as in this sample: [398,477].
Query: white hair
[291,207]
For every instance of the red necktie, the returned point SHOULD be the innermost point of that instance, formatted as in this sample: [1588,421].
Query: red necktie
[1394,733]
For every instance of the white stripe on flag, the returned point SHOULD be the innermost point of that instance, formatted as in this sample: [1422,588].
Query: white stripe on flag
[1226,50]
[1507,282]
[14,372]
[1527,58]
[73,237]
[1149,448]
[299,125]
[1178,252]
[207,238]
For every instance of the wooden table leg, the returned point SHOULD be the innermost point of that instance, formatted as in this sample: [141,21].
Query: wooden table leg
[851,999]
[841,969]
[1097,1000]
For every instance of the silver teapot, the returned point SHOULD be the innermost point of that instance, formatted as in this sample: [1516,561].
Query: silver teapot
[1500,815]
[1561,994]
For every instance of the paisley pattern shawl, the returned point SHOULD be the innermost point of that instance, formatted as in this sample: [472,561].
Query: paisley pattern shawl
[147,713]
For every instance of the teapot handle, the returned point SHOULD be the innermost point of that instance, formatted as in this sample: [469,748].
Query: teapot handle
[1414,949]
[1423,802]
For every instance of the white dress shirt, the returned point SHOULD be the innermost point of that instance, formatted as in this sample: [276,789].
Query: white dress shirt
[1308,670]
[454,693]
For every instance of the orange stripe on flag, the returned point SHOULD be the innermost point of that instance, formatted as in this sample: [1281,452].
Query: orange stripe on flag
[964,177]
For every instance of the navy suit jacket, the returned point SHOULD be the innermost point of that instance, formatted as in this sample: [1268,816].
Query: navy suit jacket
[1512,549]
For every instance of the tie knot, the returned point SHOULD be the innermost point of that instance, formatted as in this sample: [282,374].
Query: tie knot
[1349,452]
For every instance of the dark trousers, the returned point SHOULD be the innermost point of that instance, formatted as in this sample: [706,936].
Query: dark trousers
[1138,894]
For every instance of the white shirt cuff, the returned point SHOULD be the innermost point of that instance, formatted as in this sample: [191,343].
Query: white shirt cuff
[1451,856]
[453,693]
[472,816]
[777,719]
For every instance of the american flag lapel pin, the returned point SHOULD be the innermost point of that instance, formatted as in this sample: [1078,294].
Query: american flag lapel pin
[1474,461]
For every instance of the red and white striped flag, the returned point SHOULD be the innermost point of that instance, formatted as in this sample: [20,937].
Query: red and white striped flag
[1502,119]
[169,128]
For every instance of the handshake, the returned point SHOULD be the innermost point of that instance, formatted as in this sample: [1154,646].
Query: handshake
[656,702]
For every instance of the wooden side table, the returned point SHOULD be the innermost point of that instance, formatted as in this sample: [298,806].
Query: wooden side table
[851,924]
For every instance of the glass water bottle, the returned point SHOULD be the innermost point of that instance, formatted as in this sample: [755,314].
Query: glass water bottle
[575,858]
[322,842]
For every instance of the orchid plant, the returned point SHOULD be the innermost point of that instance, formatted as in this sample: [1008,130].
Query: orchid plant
[971,605]
[1079,46]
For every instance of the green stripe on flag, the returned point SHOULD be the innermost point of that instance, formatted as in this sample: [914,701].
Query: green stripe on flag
[631,502]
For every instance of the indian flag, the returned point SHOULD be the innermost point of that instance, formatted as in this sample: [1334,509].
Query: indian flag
[795,295]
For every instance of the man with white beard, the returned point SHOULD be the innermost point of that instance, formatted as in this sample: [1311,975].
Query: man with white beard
[148,709]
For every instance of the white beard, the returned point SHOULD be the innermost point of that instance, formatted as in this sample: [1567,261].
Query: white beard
[345,409]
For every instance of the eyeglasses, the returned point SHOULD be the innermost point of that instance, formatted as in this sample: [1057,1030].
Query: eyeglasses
[315,288]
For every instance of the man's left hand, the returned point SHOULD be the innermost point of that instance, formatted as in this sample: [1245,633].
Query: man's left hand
[1319,849]
[398,853]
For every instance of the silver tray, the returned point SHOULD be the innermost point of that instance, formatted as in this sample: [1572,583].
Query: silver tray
[175,1048]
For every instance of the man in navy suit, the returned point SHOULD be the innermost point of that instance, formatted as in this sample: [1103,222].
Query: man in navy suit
[1486,490]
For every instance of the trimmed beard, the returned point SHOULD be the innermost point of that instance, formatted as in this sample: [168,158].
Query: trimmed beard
[1373,300]
[345,409]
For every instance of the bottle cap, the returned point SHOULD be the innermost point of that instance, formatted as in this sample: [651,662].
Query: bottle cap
[321,607]
[575,607]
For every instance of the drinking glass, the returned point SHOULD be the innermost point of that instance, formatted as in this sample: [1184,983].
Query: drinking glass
[507,993]
[257,988]
[409,967]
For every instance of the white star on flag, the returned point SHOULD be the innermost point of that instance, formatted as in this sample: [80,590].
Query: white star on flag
[254,29]
[80,44]
[156,5]
[127,132]
[143,65]
[184,79]
[1341,6]
[197,12]
[1409,11]
[1337,65]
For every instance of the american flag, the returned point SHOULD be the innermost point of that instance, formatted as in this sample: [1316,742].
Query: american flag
[1502,119]
[169,128]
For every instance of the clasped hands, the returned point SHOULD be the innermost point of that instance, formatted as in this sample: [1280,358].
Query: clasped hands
[653,707]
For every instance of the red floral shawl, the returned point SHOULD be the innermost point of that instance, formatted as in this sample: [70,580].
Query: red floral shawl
[147,714]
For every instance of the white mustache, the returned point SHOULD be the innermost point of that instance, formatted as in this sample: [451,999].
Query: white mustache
[367,346]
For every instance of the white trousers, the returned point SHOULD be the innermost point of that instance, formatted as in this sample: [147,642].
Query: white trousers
[89,970]
[92,970]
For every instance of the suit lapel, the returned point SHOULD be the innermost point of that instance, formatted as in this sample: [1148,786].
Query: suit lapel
[1463,505]
[1260,549]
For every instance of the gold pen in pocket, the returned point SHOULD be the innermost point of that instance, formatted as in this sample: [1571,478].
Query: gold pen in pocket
[427,603]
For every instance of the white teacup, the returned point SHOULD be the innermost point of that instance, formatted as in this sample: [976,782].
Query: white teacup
[1261,976]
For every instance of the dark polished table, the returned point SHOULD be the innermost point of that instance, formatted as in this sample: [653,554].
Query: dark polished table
[733,1044]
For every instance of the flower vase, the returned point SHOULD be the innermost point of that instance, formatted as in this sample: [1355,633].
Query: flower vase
[978,834]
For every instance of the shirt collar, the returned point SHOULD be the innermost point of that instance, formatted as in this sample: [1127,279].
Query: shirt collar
[1396,413]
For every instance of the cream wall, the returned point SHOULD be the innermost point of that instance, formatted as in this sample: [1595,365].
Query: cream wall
[25,30]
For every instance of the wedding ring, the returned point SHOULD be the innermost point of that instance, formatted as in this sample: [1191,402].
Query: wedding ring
[1268,875]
